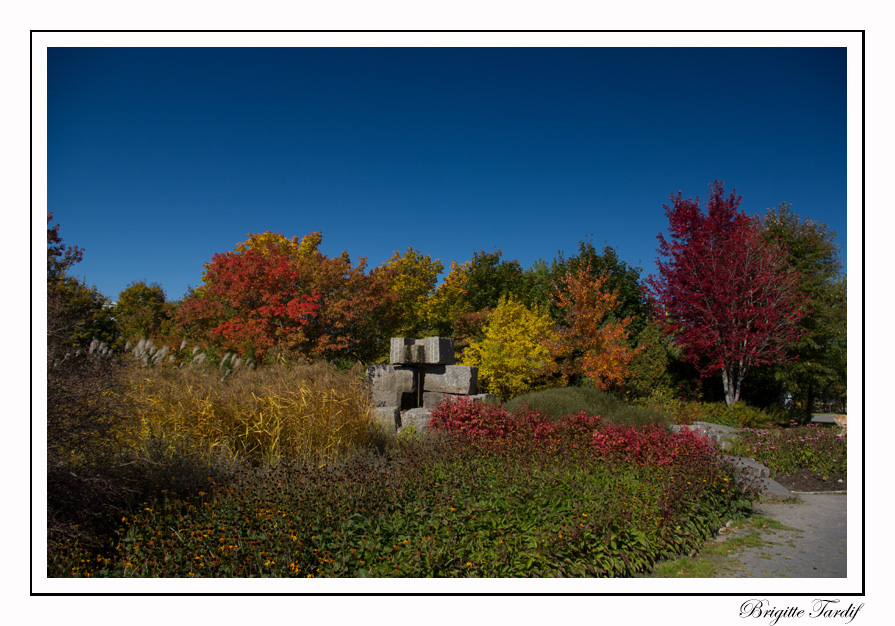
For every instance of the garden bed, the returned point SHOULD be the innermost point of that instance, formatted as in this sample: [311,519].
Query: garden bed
[483,492]
[807,480]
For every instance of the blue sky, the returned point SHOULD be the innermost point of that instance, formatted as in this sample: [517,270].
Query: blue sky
[157,158]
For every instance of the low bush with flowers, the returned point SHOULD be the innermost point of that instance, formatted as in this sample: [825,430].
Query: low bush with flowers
[815,448]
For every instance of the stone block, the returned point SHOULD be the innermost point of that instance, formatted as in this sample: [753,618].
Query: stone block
[431,351]
[439,350]
[406,351]
[456,379]
[388,418]
[432,399]
[394,385]
[387,398]
[395,398]
[393,378]
[417,418]
[484,397]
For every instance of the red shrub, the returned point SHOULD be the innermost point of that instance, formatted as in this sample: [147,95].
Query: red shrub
[495,426]
[525,425]
[650,444]
[471,419]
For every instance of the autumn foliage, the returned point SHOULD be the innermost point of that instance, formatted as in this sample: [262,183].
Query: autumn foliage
[591,343]
[497,428]
[723,293]
[277,292]
[514,353]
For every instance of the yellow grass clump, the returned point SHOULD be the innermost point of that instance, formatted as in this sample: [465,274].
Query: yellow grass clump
[268,415]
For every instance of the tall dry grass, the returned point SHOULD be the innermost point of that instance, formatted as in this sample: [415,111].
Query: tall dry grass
[264,416]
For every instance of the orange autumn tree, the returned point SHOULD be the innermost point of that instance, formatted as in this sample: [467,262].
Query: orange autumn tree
[591,343]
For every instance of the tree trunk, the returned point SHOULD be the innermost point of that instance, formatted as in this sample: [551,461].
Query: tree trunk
[809,404]
[731,389]
[732,376]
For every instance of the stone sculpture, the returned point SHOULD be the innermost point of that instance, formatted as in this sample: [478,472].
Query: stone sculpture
[420,374]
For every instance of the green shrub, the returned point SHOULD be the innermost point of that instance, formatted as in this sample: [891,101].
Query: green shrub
[554,403]
[677,411]
[738,415]
[671,409]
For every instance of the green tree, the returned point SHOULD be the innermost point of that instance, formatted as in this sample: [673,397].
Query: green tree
[141,311]
[88,312]
[82,311]
[470,291]
[538,283]
[819,371]
[649,366]
[490,279]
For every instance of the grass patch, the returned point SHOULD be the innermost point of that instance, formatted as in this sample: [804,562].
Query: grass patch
[554,403]
[715,555]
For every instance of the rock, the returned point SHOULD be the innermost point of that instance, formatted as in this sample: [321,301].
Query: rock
[428,351]
[394,385]
[416,418]
[455,379]
[388,418]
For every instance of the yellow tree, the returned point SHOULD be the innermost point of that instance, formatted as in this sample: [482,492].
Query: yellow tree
[412,278]
[592,343]
[515,352]
[268,242]
[449,301]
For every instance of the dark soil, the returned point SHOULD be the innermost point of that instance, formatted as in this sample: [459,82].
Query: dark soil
[805,480]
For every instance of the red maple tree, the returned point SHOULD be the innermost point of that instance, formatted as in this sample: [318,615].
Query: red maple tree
[723,293]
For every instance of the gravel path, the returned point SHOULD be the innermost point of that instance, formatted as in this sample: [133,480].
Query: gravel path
[816,548]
